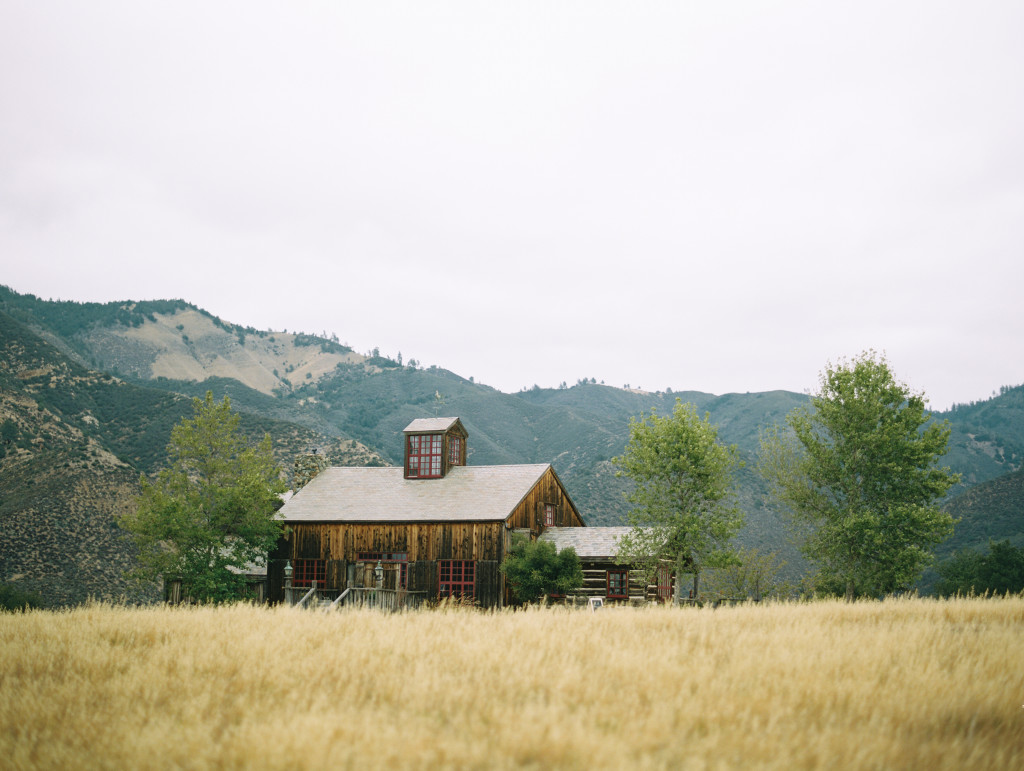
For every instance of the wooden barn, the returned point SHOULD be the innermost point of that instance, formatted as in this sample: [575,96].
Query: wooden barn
[435,525]
[603,575]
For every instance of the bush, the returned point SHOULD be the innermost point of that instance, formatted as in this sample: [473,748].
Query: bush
[536,568]
[12,598]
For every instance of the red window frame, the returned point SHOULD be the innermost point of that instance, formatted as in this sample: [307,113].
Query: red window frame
[423,455]
[618,585]
[455,451]
[664,583]
[456,578]
[389,557]
[549,515]
[305,572]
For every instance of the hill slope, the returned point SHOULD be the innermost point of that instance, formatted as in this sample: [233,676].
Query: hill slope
[72,445]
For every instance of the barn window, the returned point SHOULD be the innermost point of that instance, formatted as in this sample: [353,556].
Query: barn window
[549,514]
[424,455]
[400,558]
[456,578]
[618,584]
[308,571]
[455,450]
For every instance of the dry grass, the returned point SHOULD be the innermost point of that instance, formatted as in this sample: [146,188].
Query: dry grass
[899,684]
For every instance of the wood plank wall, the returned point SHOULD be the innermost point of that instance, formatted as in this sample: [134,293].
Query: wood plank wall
[427,541]
[530,512]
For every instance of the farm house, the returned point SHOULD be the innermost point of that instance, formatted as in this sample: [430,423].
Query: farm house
[434,527]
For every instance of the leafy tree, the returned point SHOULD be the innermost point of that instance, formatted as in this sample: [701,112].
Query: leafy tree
[753,574]
[857,473]
[537,568]
[998,572]
[683,507]
[212,510]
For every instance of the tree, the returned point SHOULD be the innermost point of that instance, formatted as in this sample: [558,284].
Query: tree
[212,510]
[998,572]
[683,508]
[753,574]
[537,568]
[857,473]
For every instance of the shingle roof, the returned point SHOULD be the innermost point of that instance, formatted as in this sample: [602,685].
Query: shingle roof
[465,494]
[588,542]
[423,425]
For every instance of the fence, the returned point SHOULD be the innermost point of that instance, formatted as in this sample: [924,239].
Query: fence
[354,597]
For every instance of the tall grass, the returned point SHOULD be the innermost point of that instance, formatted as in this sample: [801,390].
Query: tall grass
[896,684]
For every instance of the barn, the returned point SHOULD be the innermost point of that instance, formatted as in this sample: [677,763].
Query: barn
[437,526]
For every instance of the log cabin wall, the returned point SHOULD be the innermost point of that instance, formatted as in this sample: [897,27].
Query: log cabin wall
[595,583]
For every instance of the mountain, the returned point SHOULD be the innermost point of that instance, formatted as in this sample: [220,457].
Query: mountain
[73,442]
[313,390]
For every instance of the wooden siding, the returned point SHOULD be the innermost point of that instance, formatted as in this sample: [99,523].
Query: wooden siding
[420,541]
[530,512]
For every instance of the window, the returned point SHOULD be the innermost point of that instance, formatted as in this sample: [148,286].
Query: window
[618,584]
[400,558]
[455,450]
[308,571]
[424,455]
[549,515]
[456,578]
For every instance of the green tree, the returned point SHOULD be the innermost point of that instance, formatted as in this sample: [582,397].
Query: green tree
[537,568]
[753,574]
[683,510]
[212,510]
[857,473]
[999,571]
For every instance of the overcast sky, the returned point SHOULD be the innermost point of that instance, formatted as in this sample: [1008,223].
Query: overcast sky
[706,195]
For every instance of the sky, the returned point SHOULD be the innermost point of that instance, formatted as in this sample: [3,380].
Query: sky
[706,195]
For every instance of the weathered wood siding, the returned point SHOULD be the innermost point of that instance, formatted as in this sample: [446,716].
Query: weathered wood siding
[424,544]
[530,512]
[429,541]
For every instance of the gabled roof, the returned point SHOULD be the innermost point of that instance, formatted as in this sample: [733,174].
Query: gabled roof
[588,542]
[374,494]
[430,425]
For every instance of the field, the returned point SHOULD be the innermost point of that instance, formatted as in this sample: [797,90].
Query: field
[896,684]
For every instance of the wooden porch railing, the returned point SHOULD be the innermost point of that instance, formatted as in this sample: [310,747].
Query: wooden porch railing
[353,597]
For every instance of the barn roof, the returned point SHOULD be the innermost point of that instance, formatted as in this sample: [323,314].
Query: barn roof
[382,494]
[588,542]
[431,425]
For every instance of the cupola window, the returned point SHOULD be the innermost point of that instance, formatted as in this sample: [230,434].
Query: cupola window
[424,454]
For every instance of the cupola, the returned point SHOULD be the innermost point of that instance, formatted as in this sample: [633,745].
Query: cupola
[433,446]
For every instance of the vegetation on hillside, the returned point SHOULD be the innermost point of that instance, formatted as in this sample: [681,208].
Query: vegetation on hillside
[997,571]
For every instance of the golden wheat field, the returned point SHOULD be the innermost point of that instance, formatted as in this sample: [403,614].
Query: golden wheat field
[900,684]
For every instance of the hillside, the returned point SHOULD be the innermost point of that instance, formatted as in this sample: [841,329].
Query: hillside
[72,445]
[993,510]
[308,390]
